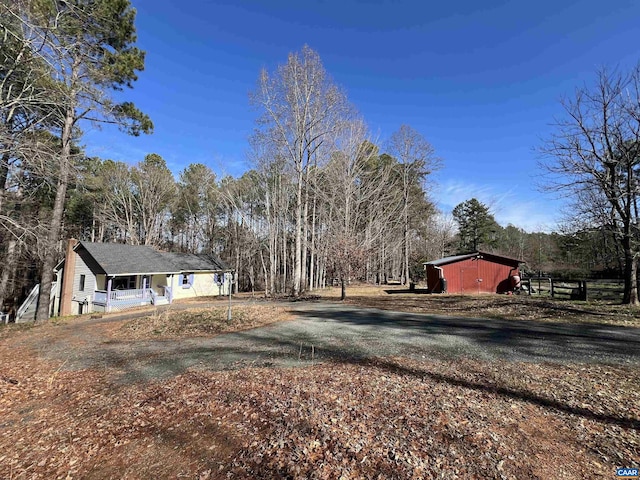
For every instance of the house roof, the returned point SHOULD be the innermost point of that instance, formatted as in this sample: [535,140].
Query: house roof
[120,259]
[193,262]
[457,258]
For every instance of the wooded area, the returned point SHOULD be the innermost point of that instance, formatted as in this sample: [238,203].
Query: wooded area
[325,200]
[318,204]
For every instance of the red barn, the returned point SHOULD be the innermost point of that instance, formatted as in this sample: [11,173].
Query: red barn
[473,273]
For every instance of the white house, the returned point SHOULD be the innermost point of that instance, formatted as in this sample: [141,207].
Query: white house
[107,277]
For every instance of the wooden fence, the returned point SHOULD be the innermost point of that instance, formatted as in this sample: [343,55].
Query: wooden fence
[573,289]
[607,290]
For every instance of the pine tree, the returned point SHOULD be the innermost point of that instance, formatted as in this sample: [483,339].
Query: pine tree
[89,48]
[477,227]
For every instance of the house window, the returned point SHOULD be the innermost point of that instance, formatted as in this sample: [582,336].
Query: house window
[186,280]
[82,280]
[124,283]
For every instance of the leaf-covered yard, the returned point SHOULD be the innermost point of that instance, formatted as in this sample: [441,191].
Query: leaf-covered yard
[378,418]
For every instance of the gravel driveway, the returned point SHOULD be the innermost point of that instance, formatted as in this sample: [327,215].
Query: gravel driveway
[326,331]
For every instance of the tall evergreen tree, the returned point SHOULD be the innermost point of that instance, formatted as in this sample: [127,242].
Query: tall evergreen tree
[477,227]
[89,48]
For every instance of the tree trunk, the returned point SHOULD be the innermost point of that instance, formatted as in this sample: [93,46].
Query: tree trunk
[251,279]
[4,173]
[297,256]
[269,281]
[10,253]
[266,277]
[42,313]
[237,247]
[405,266]
[630,274]
[343,289]
[285,263]
[312,253]
[273,259]
[305,235]
[8,270]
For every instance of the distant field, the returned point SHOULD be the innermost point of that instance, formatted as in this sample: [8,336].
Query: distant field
[603,290]
[606,290]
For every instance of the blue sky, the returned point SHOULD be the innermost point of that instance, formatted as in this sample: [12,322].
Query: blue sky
[481,80]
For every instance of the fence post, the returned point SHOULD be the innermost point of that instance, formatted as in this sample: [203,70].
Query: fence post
[551,282]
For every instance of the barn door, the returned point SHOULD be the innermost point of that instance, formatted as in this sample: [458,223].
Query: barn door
[469,279]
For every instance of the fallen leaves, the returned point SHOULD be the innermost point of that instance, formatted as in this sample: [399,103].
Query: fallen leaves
[383,418]
[388,418]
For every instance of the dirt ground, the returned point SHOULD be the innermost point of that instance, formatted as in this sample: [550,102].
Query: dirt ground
[390,416]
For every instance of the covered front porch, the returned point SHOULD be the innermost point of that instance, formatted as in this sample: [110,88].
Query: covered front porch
[124,292]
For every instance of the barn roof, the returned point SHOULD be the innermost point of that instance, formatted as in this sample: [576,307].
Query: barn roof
[120,259]
[466,256]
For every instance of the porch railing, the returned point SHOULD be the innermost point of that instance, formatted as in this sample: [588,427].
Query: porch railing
[29,301]
[100,296]
[131,297]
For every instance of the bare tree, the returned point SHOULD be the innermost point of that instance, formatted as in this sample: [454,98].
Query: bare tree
[274,183]
[416,160]
[355,193]
[155,189]
[594,156]
[440,236]
[301,108]
[120,205]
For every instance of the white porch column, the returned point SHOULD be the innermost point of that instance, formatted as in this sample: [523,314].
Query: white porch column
[108,307]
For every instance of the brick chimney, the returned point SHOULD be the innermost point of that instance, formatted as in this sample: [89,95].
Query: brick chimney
[68,274]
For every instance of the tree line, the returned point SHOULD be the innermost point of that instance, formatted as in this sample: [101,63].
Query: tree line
[60,61]
[568,253]
[324,201]
[321,203]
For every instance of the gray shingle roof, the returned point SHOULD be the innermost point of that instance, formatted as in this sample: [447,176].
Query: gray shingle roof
[454,258]
[193,262]
[457,258]
[119,259]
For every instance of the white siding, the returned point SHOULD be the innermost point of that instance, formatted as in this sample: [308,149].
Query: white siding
[56,293]
[79,296]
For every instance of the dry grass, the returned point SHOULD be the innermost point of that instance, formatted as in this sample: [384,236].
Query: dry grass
[197,322]
[356,290]
[514,307]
